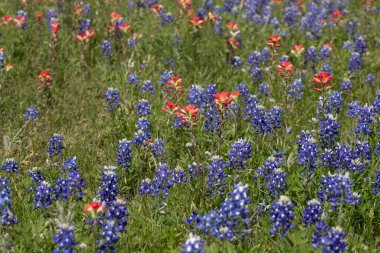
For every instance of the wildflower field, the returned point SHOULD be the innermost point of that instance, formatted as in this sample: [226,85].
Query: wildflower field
[190,126]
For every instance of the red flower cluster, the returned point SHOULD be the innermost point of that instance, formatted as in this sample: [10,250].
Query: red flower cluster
[189,115]
[321,80]
[231,35]
[86,36]
[223,99]
[175,84]
[44,77]
[285,68]
[94,207]
[297,50]
[274,41]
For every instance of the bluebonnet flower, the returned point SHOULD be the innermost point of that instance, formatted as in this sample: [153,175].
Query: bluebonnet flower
[143,107]
[276,182]
[112,99]
[179,175]
[109,236]
[239,153]
[326,68]
[265,56]
[36,175]
[51,13]
[284,58]
[336,189]
[256,74]
[243,89]
[324,53]
[196,96]
[274,176]
[328,130]
[193,245]
[117,212]
[133,79]
[159,184]
[108,188]
[43,195]
[31,113]
[124,150]
[355,62]
[24,15]
[346,84]
[2,57]
[350,28]
[87,9]
[376,103]
[195,170]
[370,78]
[365,117]
[216,175]
[311,56]
[264,89]
[236,62]
[84,25]
[72,182]
[213,119]
[106,48]
[158,148]
[360,45]
[376,184]
[295,90]
[290,15]
[334,102]
[274,22]
[349,45]
[133,42]
[312,213]
[166,76]
[330,240]
[308,151]
[10,166]
[217,26]
[143,133]
[55,146]
[147,86]
[254,59]
[228,222]
[7,216]
[211,90]
[65,239]
[281,215]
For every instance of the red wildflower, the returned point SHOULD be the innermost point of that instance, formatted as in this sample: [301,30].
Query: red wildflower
[78,10]
[185,3]
[285,68]
[174,84]
[232,26]
[234,43]
[297,50]
[188,114]
[170,107]
[40,15]
[223,99]
[44,77]
[337,15]
[94,207]
[156,9]
[197,22]
[212,17]
[19,21]
[8,67]
[115,16]
[321,80]
[6,20]
[274,41]
[55,26]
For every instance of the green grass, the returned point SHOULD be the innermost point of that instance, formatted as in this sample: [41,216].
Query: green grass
[76,110]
